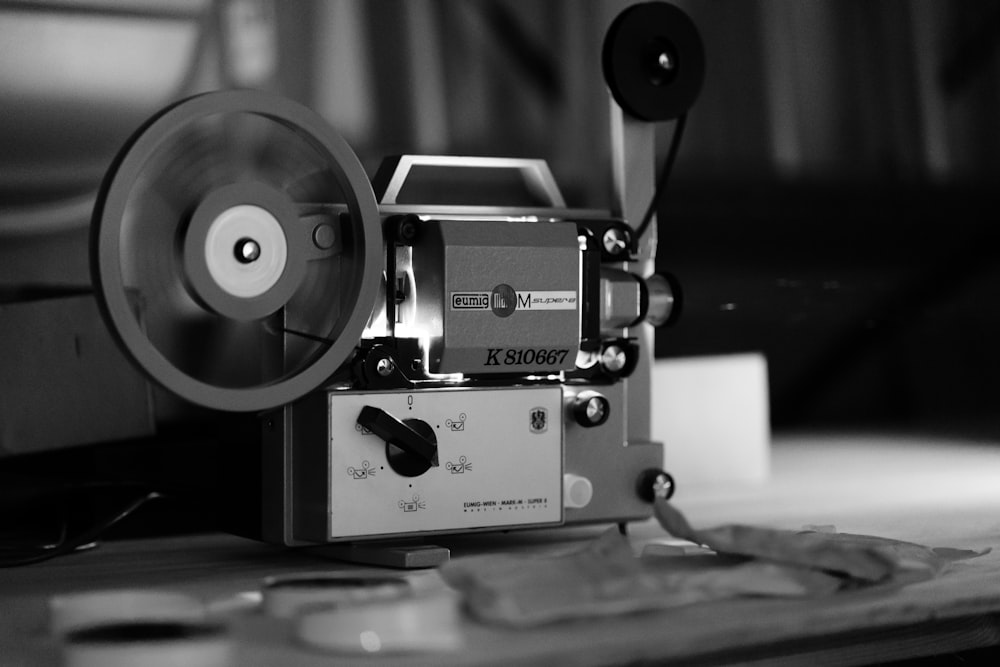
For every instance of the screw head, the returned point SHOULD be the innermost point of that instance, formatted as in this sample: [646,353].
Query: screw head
[663,486]
[408,230]
[247,250]
[615,241]
[384,367]
[613,359]
[665,61]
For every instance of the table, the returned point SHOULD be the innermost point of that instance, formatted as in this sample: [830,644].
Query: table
[938,491]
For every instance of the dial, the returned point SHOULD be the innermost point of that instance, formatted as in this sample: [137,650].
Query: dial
[410,444]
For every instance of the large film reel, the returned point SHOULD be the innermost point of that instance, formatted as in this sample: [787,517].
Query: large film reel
[236,250]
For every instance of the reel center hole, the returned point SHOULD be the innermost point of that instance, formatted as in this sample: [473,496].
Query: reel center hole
[246,250]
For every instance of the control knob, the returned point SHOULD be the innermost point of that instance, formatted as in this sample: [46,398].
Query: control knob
[590,408]
[410,444]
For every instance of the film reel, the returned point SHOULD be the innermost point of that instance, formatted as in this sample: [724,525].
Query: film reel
[236,250]
[653,61]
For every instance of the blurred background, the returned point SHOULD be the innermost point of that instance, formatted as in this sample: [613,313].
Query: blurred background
[831,205]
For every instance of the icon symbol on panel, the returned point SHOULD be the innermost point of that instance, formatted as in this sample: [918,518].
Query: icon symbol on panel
[460,467]
[456,425]
[412,505]
[364,472]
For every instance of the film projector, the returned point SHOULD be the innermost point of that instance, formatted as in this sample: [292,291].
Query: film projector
[416,368]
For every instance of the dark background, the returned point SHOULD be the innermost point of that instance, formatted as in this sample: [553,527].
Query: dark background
[831,206]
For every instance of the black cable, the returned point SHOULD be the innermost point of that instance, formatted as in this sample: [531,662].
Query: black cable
[661,185]
[81,541]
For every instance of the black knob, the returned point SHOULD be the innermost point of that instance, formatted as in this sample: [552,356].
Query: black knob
[655,483]
[410,445]
[591,409]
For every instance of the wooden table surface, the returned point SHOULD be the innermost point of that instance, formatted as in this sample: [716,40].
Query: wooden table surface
[935,491]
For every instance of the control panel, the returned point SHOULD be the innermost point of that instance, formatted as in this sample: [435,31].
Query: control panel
[439,460]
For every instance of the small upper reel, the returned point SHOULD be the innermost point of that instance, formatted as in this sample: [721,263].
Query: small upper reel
[653,61]
[236,250]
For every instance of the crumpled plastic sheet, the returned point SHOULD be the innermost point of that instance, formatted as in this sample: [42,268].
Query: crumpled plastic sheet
[863,558]
[606,578]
